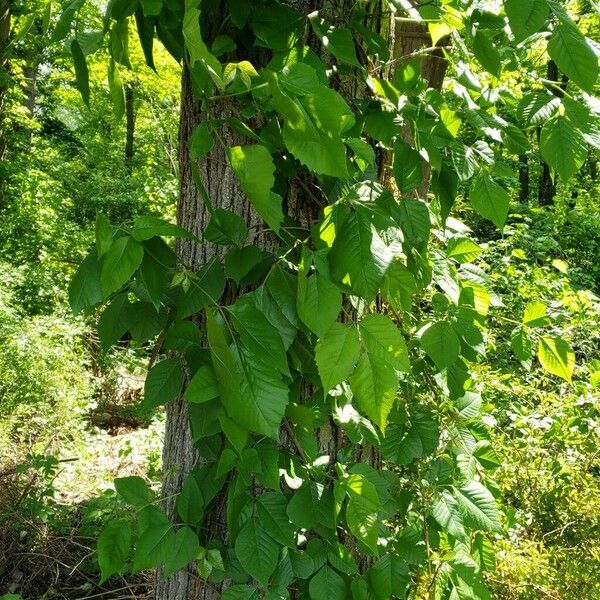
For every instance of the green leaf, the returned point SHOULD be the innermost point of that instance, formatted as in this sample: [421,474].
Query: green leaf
[489,199]
[336,354]
[254,168]
[413,218]
[486,53]
[313,127]
[312,505]
[120,263]
[408,167]
[163,382]
[85,290]
[521,344]
[117,91]
[526,17]
[535,314]
[200,142]
[556,356]
[114,545]
[362,511]
[374,385]
[299,79]
[253,393]
[226,227]
[388,577]
[563,146]
[240,592]
[257,551]
[190,502]
[359,258]
[327,585]
[197,50]
[155,544]
[336,40]
[133,490]
[446,513]
[399,286]
[403,443]
[384,341]
[463,250]
[478,507]
[203,386]
[104,234]
[146,227]
[257,335]
[63,26]
[318,302]
[113,322]
[205,289]
[272,508]
[82,76]
[574,56]
[151,8]
[536,107]
[145,28]
[185,549]
[441,343]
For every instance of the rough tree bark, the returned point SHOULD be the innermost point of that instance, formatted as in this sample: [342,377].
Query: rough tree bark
[179,455]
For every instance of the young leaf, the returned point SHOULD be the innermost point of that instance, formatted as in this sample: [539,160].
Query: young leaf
[489,199]
[114,545]
[556,356]
[163,383]
[119,264]
[257,551]
[336,354]
[254,168]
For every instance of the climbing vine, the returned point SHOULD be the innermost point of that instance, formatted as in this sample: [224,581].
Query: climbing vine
[331,372]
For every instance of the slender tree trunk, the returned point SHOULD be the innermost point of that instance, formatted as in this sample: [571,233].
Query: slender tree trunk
[523,178]
[547,189]
[129,126]
[408,39]
[4,78]
[179,455]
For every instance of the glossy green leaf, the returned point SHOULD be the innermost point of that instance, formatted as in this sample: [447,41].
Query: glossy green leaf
[408,167]
[336,354]
[526,17]
[319,302]
[359,258]
[85,290]
[478,507]
[254,168]
[203,386]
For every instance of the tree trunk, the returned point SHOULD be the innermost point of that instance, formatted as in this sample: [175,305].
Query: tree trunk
[547,189]
[129,127]
[4,78]
[179,455]
[523,178]
[409,39]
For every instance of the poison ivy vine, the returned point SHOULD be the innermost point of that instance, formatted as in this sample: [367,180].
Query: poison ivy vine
[378,309]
